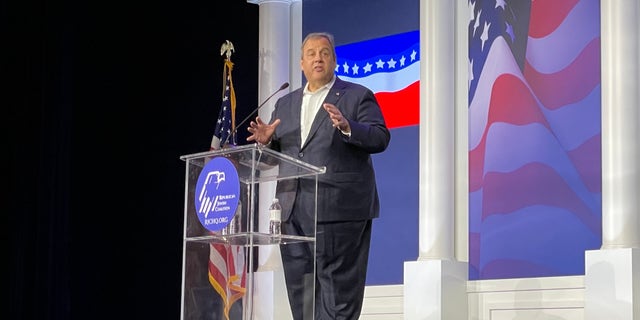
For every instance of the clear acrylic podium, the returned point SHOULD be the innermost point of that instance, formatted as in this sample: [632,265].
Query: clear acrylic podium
[231,267]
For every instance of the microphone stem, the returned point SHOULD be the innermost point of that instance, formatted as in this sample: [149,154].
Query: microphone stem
[233,132]
[260,106]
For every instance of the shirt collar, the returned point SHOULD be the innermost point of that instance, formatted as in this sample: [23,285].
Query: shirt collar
[323,88]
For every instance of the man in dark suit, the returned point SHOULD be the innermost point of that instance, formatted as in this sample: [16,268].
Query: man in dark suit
[334,124]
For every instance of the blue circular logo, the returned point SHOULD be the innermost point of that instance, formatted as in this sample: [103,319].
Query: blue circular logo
[217,193]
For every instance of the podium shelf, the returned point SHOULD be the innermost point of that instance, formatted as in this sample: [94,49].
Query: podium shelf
[251,239]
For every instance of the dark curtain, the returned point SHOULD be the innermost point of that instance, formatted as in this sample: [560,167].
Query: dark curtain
[102,99]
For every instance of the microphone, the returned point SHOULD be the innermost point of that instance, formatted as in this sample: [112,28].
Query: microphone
[233,132]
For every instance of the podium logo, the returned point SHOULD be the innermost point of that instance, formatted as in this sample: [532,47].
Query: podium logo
[217,193]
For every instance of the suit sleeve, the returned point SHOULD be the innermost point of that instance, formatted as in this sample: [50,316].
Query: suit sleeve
[368,128]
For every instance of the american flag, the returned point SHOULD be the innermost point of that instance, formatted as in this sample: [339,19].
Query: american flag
[226,266]
[534,137]
[226,117]
[227,273]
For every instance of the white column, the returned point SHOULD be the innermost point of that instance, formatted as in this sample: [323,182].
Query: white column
[620,123]
[435,285]
[295,72]
[437,130]
[612,283]
[274,29]
[276,46]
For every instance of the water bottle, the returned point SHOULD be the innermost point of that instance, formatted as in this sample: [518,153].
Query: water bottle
[275,211]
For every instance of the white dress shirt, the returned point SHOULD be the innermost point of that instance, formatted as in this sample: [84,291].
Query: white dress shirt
[311,103]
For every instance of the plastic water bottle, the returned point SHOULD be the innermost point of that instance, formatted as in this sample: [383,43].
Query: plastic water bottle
[275,210]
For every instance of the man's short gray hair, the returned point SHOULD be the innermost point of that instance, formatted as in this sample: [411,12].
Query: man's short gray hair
[315,35]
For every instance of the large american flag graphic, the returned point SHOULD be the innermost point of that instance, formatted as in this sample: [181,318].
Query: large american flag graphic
[534,137]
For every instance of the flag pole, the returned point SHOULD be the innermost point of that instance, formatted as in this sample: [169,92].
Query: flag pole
[227,50]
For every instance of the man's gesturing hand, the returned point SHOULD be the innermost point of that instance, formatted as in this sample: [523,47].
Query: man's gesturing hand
[261,132]
[336,117]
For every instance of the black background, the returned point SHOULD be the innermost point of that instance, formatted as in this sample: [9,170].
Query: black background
[102,100]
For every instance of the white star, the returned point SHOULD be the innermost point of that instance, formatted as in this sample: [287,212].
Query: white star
[470,73]
[509,31]
[472,9]
[367,67]
[413,55]
[485,34]
[380,64]
[345,67]
[392,63]
[225,98]
[477,23]
[337,68]
[402,61]
[500,3]
[355,68]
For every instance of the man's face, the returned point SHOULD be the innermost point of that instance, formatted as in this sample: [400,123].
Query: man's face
[318,63]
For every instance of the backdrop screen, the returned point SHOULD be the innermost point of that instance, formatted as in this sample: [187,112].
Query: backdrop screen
[534,137]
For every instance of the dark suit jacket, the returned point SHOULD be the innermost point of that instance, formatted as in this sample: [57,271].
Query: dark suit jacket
[347,191]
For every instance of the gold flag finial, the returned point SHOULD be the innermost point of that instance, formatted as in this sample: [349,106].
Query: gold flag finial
[226,49]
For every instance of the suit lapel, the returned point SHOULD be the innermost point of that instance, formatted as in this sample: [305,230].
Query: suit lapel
[334,95]
[296,109]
